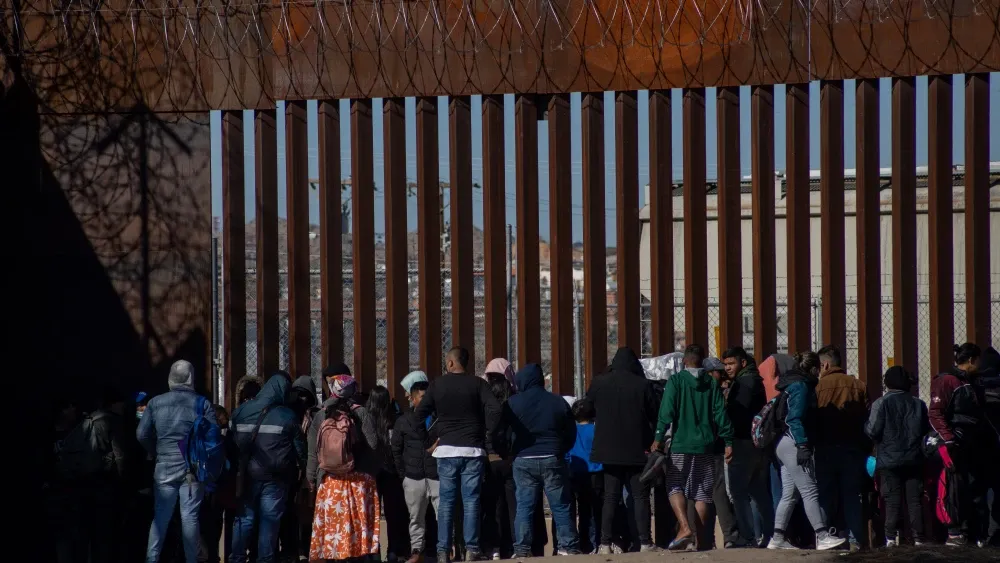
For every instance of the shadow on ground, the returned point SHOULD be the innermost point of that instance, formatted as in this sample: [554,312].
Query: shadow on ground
[925,554]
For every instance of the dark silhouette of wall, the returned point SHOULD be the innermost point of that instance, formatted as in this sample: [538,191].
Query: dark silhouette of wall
[105,284]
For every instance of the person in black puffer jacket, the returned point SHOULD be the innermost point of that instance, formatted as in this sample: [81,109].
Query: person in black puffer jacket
[898,424]
[417,467]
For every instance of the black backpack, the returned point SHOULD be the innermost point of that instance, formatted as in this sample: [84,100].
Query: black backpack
[769,424]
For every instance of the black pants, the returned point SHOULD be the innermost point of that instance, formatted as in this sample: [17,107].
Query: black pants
[616,477]
[974,473]
[899,484]
[588,494]
[210,526]
[722,508]
[397,518]
[498,509]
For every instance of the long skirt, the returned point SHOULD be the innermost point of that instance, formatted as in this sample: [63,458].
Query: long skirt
[346,520]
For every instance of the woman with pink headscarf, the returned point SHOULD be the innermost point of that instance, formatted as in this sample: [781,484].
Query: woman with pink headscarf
[502,367]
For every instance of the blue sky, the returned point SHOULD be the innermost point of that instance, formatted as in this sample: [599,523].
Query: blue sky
[779,110]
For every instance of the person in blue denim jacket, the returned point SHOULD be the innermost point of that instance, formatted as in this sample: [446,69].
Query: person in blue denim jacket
[165,423]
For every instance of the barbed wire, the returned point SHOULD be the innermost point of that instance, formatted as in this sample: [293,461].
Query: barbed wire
[180,55]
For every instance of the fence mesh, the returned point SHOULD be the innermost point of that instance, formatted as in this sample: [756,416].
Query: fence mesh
[816,308]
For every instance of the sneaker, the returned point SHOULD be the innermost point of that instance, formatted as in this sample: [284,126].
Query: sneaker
[957,541]
[889,544]
[779,542]
[649,548]
[604,550]
[443,558]
[473,555]
[855,547]
[496,555]
[828,540]
[919,543]
[567,553]
[736,543]
[617,549]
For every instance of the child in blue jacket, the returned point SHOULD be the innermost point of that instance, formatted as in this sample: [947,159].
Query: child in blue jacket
[588,478]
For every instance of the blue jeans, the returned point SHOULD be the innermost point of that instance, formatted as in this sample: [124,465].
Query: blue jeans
[838,474]
[551,474]
[454,474]
[263,506]
[165,497]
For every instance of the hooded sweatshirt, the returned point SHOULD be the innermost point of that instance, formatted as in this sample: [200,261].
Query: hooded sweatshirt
[304,386]
[542,422]
[279,450]
[801,404]
[626,410]
[693,403]
[168,420]
[747,396]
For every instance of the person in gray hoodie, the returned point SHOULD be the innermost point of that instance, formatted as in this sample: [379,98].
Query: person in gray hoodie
[166,422]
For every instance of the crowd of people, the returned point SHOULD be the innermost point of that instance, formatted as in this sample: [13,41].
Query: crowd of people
[785,454]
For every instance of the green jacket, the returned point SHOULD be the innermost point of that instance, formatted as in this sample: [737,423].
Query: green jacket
[694,406]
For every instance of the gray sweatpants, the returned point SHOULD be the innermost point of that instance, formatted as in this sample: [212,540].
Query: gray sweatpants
[418,494]
[796,483]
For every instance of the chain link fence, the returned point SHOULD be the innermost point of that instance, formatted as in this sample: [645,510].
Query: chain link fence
[713,347]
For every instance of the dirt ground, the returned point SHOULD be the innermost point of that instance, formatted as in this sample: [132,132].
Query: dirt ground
[898,555]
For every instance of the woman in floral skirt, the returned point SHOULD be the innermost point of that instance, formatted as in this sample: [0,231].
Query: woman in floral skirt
[346,519]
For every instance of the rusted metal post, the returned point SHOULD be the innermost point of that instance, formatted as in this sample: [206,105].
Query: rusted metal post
[234,277]
[595,312]
[463,319]
[730,219]
[869,237]
[330,234]
[266,166]
[494,228]
[627,224]
[529,338]
[397,310]
[765,320]
[429,237]
[297,203]
[939,222]
[834,326]
[797,211]
[661,221]
[695,229]
[363,242]
[904,223]
[561,245]
[977,208]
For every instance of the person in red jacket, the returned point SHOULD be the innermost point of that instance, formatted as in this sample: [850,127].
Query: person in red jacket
[957,416]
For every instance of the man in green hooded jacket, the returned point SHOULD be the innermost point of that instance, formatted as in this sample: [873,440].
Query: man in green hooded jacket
[695,410]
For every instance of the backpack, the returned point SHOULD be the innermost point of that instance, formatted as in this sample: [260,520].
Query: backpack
[769,424]
[990,390]
[80,454]
[335,444]
[204,449]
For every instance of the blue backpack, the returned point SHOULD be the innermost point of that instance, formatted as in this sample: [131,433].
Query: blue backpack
[205,449]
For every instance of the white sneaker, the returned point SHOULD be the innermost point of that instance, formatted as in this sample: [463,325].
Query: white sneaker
[891,543]
[604,550]
[496,555]
[826,540]
[778,542]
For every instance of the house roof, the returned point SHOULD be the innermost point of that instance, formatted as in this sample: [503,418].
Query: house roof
[850,176]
